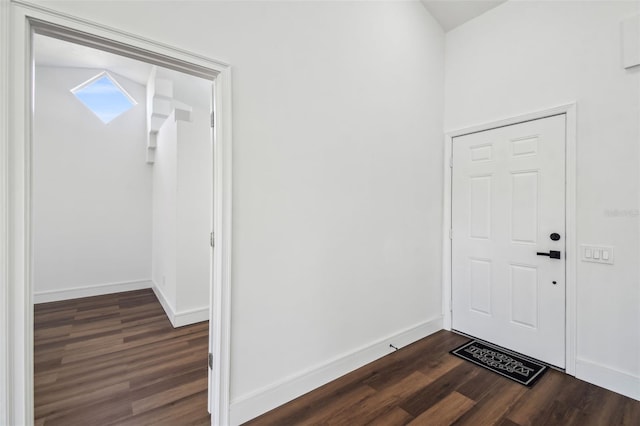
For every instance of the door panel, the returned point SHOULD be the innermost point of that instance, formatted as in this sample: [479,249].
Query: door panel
[508,196]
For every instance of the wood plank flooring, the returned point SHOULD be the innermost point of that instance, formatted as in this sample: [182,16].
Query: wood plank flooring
[116,360]
[422,384]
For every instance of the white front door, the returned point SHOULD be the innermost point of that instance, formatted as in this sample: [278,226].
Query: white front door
[508,211]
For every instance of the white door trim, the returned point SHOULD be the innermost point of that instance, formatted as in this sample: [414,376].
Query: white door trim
[5,403]
[16,339]
[569,110]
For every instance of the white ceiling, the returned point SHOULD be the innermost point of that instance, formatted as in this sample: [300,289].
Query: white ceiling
[50,51]
[453,13]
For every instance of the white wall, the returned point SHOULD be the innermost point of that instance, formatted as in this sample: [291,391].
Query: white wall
[182,197]
[337,176]
[526,56]
[195,191]
[92,191]
[164,215]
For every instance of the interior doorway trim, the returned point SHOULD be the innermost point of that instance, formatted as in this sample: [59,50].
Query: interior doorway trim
[571,256]
[5,405]
[16,81]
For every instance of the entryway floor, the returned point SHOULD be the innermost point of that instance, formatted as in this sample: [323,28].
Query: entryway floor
[422,384]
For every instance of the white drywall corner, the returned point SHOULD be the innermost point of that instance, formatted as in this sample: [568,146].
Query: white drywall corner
[631,42]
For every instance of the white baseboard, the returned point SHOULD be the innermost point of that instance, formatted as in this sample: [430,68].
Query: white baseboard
[191,316]
[166,305]
[608,378]
[89,290]
[249,406]
[181,318]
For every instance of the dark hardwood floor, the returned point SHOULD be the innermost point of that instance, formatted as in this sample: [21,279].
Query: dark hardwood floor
[422,384]
[116,360]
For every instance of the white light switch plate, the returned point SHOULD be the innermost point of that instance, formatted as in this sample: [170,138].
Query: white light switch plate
[596,254]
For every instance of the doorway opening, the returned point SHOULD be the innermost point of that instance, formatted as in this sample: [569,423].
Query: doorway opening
[122,188]
[27,23]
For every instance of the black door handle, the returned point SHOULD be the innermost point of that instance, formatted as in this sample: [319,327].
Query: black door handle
[553,254]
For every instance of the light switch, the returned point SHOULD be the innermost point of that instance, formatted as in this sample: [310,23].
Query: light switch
[597,254]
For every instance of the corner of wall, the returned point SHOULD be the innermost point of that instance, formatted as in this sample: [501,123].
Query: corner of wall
[179,318]
[166,305]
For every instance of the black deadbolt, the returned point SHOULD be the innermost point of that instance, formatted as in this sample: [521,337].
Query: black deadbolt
[555,236]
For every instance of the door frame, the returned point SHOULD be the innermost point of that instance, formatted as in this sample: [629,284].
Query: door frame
[16,81]
[571,253]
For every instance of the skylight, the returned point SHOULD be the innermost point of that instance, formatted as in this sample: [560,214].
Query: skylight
[104,97]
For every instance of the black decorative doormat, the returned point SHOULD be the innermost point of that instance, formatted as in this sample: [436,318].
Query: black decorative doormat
[502,361]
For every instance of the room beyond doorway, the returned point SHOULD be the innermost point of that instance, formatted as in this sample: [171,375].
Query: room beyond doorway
[183,61]
[122,200]
[124,204]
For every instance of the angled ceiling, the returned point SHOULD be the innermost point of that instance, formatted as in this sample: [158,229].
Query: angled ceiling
[53,52]
[453,13]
